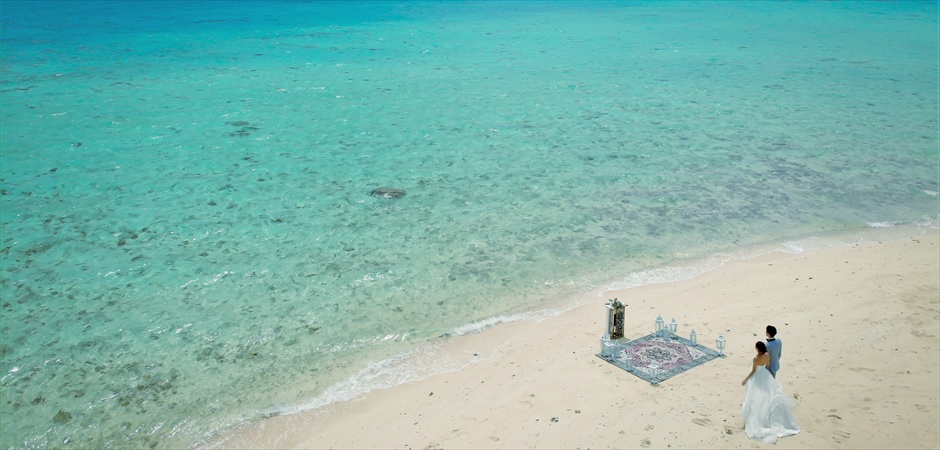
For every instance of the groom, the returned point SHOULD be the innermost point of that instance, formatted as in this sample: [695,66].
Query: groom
[773,347]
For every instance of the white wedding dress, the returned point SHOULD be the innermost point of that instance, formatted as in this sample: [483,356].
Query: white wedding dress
[767,411]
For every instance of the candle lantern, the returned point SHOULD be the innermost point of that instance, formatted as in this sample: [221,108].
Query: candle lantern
[673,326]
[720,341]
[660,324]
[609,349]
[654,372]
[693,336]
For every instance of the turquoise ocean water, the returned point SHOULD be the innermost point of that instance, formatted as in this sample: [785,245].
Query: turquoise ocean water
[189,243]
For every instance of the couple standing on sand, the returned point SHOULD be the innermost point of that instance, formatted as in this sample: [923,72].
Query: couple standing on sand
[766,409]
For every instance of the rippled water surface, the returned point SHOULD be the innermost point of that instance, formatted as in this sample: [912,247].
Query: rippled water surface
[188,236]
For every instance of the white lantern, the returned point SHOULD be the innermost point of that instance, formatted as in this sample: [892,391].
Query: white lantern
[693,336]
[673,325]
[654,371]
[660,324]
[720,341]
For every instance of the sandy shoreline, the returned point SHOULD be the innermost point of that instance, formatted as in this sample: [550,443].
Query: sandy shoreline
[861,331]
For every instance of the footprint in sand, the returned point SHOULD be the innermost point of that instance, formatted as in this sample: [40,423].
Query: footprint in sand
[645,443]
[700,421]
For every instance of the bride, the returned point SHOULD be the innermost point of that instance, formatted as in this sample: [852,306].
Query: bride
[766,410]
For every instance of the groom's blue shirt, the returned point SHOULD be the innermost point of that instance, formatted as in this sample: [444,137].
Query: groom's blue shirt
[774,348]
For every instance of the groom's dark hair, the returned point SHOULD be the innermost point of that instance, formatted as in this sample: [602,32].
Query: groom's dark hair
[771,330]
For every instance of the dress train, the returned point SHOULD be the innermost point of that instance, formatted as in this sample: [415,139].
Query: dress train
[767,411]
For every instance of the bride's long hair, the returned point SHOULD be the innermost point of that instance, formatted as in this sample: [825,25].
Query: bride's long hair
[761,348]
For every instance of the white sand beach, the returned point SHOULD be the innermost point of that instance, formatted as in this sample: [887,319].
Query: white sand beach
[860,326]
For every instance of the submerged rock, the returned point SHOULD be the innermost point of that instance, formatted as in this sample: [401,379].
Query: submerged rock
[387,192]
[62,417]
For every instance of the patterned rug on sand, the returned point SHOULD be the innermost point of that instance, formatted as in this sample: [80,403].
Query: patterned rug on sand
[656,358]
